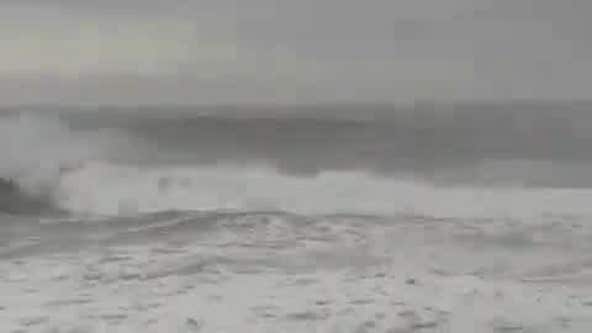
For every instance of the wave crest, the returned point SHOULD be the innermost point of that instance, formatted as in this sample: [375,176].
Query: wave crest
[36,151]
[78,171]
[108,189]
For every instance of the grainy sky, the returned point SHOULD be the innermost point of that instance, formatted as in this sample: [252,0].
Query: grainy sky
[287,51]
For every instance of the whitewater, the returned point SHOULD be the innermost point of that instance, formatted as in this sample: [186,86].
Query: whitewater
[168,220]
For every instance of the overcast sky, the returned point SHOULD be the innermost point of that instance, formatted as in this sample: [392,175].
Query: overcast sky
[289,51]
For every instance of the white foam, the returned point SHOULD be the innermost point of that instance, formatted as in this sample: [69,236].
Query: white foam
[101,188]
[34,149]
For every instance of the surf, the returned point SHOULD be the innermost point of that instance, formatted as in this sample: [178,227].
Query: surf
[94,171]
[36,151]
[101,188]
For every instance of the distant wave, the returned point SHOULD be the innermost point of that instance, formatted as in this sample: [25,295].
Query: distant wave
[535,145]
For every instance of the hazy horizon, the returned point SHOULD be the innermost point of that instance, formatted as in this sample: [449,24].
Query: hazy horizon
[134,52]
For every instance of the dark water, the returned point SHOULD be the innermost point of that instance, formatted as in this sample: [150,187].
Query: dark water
[527,143]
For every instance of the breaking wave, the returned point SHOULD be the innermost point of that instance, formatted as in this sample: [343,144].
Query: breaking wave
[101,188]
[78,171]
[36,151]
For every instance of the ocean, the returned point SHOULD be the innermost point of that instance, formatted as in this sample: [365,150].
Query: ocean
[337,218]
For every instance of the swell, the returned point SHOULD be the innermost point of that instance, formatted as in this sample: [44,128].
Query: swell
[376,139]
[545,145]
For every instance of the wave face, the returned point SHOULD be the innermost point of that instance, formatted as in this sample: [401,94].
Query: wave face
[469,162]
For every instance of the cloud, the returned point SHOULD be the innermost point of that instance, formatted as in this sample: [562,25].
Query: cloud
[307,50]
[73,46]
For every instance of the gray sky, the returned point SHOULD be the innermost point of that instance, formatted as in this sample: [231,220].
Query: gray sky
[287,51]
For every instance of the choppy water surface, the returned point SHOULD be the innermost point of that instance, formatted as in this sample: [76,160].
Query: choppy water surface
[454,218]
